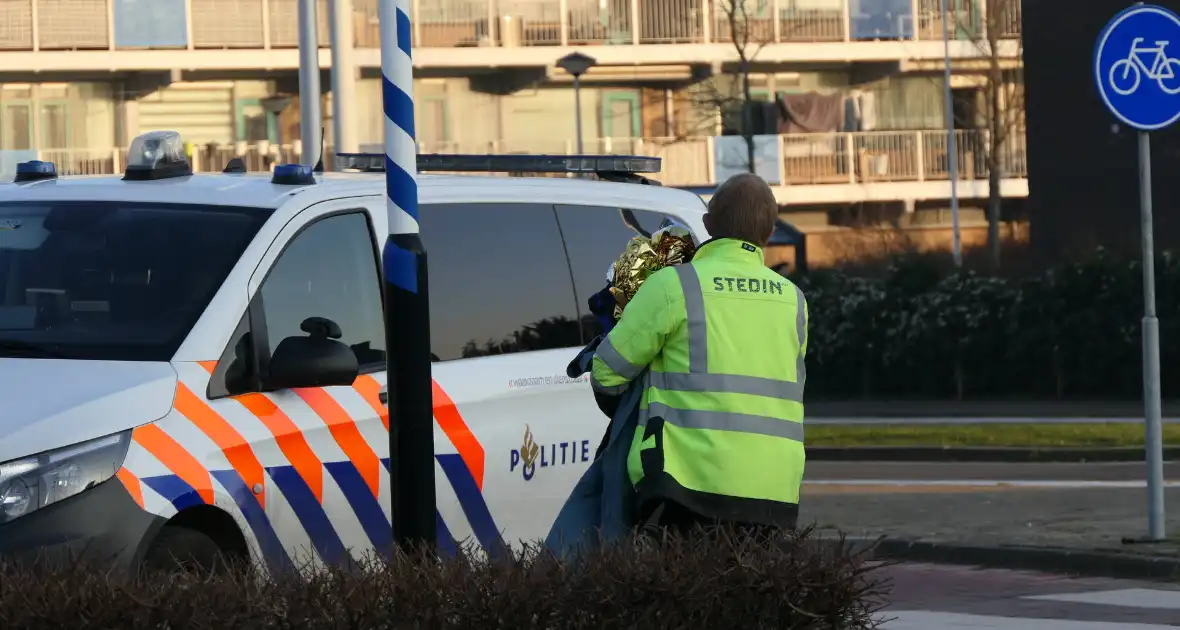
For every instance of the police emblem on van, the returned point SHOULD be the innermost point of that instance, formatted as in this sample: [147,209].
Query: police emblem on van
[531,455]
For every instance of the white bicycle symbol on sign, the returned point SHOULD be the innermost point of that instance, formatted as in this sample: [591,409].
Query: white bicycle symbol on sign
[1125,74]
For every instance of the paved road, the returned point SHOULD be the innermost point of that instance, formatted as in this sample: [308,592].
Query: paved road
[942,472]
[956,420]
[935,597]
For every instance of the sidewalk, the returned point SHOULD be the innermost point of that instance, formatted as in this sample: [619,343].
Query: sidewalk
[1075,520]
[938,597]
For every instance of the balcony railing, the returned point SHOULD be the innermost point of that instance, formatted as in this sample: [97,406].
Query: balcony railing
[265,24]
[802,159]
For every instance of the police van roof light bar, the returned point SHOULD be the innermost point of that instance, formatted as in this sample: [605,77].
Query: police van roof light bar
[620,164]
[35,170]
[293,175]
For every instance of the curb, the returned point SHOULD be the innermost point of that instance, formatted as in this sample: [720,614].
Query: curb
[981,454]
[1044,559]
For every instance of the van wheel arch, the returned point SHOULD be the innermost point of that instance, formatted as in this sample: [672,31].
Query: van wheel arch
[202,538]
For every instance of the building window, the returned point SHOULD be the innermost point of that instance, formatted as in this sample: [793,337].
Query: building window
[55,126]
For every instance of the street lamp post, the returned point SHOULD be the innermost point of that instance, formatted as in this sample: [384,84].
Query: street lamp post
[952,150]
[577,64]
[310,126]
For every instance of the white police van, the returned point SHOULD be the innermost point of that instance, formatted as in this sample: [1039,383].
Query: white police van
[139,315]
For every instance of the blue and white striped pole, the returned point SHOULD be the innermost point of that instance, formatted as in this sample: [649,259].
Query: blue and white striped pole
[407,306]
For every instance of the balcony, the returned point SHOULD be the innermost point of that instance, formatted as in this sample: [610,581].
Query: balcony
[491,32]
[803,168]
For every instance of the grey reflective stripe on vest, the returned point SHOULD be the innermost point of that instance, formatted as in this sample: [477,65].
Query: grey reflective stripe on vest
[609,390]
[724,421]
[616,362]
[728,383]
[694,306]
[801,325]
[698,379]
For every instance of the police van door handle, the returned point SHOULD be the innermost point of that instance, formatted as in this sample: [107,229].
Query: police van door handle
[383,395]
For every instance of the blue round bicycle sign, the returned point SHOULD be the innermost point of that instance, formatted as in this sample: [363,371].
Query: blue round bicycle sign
[1137,66]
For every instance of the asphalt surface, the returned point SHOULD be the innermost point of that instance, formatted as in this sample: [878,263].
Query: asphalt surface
[942,472]
[932,597]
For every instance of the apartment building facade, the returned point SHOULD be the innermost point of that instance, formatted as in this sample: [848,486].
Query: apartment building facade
[859,82]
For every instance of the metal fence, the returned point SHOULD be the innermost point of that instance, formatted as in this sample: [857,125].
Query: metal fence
[803,159]
[219,24]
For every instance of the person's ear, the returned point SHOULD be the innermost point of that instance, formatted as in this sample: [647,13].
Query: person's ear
[708,223]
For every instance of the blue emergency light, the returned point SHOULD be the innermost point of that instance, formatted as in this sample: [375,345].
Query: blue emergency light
[293,175]
[35,170]
[622,164]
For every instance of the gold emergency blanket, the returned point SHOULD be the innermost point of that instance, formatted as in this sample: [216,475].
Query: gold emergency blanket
[669,245]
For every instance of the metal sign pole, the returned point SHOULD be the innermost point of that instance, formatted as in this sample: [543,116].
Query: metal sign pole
[343,77]
[1145,98]
[1151,352]
[310,121]
[407,305]
[578,109]
[952,148]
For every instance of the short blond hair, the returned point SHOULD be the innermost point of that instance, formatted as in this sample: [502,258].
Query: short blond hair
[744,208]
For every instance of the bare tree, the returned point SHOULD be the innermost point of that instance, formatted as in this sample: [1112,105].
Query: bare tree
[732,92]
[1000,115]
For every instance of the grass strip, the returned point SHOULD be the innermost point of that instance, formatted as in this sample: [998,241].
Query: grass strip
[1013,435]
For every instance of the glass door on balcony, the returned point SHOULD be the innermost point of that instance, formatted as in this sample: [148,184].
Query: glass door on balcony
[16,126]
[54,125]
[253,123]
[620,115]
[432,132]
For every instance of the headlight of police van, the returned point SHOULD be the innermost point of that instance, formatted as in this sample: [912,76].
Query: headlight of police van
[31,483]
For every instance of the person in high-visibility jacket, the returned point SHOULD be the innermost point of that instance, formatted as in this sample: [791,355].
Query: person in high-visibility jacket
[719,344]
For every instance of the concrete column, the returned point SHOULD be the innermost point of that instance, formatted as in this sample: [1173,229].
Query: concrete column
[344,108]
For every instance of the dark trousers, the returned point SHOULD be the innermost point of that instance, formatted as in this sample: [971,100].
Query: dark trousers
[672,517]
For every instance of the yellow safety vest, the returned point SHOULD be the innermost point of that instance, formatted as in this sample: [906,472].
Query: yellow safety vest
[720,345]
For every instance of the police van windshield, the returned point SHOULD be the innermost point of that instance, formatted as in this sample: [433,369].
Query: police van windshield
[112,280]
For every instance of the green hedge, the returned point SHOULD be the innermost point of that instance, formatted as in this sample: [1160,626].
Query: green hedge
[914,332]
[717,582]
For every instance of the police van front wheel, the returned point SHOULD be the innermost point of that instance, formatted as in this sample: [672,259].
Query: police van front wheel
[184,549]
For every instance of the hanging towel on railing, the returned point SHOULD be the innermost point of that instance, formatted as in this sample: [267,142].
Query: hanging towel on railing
[811,113]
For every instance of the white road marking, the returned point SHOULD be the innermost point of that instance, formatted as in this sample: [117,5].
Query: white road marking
[1130,598]
[926,620]
[976,483]
[963,420]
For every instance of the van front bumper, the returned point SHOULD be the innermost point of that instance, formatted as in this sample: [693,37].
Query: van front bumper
[102,526]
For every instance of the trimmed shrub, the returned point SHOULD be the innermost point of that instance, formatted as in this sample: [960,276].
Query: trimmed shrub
[723,580]
[915,331]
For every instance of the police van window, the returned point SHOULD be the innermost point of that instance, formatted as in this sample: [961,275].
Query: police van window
[499,281]
[594,238]
[112,281]
[329,270]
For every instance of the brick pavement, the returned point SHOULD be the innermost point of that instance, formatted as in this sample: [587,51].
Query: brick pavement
[929,597]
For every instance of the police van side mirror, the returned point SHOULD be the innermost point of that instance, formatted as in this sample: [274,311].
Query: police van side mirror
[313,361]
